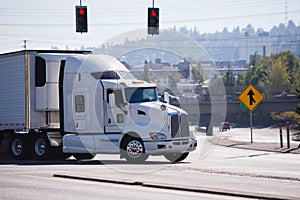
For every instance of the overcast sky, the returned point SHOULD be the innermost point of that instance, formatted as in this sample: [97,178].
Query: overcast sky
[45,23]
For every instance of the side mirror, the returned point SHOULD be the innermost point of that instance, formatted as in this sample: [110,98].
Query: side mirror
[166,97]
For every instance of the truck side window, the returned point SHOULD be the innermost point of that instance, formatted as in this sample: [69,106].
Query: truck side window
[106,75]
[40,72]
[79,103]
[119,98]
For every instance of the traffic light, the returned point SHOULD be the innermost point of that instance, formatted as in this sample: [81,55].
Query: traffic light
[153,21]
[81,19]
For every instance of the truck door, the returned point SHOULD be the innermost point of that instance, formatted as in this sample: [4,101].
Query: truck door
[114,120]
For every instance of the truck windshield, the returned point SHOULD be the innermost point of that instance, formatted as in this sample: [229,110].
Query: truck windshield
[136,95]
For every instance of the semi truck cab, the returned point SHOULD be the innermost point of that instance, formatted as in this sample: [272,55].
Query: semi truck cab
[113,112]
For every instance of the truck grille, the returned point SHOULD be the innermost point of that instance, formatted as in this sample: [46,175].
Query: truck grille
[179,126]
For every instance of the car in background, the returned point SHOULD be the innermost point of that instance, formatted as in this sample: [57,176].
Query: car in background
[285,96]
[224,126]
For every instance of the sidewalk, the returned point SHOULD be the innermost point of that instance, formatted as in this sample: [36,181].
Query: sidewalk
[264,139]
[261,146]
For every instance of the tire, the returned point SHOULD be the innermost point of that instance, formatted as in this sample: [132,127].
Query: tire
[176,157]
[20,147]
[41,147]
[84,156]
[133,150]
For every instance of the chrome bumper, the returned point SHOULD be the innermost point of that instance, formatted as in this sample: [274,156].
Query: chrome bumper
[173,146]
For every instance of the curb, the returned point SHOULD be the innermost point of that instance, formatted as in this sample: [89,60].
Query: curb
[172,187]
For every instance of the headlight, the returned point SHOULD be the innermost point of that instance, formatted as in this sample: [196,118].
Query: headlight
[192,134]
[158,136]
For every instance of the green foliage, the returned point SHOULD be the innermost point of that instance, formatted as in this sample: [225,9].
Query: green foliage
[274,75]
[228,79]
[277,79]
[292,65]
[298,109]
[283,117]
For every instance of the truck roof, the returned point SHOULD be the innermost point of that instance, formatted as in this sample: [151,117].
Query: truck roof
[93,63]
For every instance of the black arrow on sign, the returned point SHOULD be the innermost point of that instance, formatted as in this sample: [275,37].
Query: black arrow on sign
[251,98]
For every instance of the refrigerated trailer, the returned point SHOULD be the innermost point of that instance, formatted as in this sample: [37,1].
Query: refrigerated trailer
[62,103]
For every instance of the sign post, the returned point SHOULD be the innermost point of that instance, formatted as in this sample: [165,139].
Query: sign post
[251,126]
[251,97]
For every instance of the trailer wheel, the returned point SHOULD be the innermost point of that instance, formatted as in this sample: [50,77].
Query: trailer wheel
[176,157]
[20,147]
[41,147]
[133,150]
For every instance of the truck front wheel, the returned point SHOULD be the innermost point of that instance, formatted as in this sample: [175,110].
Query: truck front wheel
[133,150]
[176,157]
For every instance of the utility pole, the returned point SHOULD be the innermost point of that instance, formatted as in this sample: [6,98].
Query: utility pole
[286,12]
[25,44]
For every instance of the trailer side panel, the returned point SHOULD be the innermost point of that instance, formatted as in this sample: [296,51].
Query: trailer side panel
[12,91]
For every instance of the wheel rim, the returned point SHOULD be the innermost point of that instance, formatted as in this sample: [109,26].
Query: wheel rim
[134,149]
[17,147]
[40,147]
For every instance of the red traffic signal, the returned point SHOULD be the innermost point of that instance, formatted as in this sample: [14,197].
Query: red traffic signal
[153,21]
[81,12]
[153,13]
[81,19]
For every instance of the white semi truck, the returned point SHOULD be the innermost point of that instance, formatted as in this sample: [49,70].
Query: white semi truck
[81,104]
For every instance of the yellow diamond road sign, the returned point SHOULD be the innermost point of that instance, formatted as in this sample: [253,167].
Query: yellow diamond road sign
[251,97]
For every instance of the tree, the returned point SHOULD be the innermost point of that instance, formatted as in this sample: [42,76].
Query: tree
[274,74]
[228,79]
[229,82]
[277,80]
[173,78]
[198,73]
[293,69]
[185,72]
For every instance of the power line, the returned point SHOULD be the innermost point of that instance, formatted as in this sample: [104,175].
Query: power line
[139,23]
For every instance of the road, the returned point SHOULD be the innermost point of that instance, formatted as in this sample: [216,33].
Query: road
[35,186]
[212,172]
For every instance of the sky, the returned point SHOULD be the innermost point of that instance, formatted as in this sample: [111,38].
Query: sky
[45,23]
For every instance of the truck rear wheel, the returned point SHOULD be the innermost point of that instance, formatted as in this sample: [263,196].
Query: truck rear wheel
[41,147]
[133,150]
[176,157]
[20,147]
